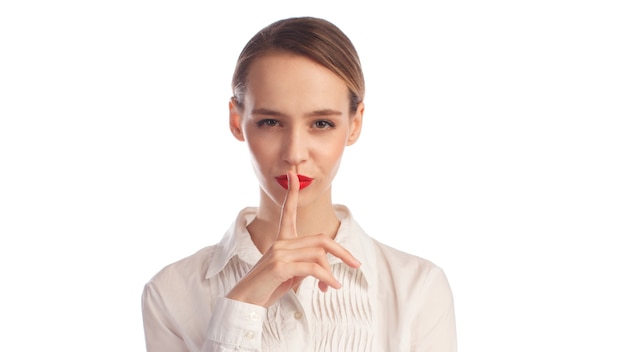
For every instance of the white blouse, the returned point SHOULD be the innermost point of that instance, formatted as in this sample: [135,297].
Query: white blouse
[394,302]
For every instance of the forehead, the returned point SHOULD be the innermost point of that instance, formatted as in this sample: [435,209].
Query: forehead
[293,82]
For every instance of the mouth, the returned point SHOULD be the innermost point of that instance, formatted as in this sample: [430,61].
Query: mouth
[284,182]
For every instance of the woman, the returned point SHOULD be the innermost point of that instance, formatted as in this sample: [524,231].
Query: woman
[297,273]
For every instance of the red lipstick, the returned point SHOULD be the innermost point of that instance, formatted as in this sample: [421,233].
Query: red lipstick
[284,181]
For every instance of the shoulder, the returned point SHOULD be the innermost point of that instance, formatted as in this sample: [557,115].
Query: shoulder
[188,270]
[408,274]
[398,259]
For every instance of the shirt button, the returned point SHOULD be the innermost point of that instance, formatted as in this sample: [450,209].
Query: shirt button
[297,315]
[254,316]
[250,335]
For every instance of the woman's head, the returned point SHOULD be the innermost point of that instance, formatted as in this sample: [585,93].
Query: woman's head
[298,103]
[314,38]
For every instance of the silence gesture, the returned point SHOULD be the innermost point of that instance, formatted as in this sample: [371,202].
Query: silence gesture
[290,259]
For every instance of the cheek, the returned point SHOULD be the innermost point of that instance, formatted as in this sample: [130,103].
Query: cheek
[331,152]
[262,151]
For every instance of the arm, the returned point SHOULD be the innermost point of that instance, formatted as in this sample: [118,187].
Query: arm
[159,330]
[234,326]
[435,326]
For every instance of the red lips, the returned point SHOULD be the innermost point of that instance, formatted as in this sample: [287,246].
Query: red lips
[284,181]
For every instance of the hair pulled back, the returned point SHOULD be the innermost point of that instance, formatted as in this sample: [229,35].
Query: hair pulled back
[314,38]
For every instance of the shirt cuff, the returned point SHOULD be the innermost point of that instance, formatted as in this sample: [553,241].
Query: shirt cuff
[236,323]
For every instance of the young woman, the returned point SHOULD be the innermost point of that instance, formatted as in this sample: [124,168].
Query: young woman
[297,273]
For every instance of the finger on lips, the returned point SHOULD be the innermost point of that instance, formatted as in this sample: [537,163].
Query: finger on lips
[309,262]
[287,228]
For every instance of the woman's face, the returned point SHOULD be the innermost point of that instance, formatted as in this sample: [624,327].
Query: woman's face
[295,116]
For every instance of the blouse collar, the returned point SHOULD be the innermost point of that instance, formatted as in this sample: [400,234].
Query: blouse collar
[237,242]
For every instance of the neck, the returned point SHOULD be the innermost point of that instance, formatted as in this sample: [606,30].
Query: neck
[317,217]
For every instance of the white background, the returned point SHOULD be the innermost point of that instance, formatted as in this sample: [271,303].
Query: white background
[493,144]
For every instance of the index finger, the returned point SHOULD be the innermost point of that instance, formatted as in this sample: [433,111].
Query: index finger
[287,225]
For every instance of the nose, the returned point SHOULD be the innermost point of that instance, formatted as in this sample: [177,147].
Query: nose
[294,147]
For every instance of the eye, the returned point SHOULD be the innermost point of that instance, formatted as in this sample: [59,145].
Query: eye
[267,123]
[323,124]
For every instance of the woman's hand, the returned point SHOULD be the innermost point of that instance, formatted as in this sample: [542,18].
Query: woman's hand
[290,259]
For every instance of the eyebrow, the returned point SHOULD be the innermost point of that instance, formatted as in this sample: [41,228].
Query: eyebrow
[269,112]
[324,112]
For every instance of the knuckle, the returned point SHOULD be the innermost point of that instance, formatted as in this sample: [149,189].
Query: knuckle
[276,266]
[274,255]
[277,246]
[320,252]
[320,272]
[320,239]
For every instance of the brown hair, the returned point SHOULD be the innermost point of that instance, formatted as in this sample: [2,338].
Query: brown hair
[314,38]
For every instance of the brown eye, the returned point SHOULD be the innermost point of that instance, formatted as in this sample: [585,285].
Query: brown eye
[267,123]
[323,124]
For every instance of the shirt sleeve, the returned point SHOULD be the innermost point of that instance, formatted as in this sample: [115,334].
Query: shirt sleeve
[235,326]
[159,329]
[436,324]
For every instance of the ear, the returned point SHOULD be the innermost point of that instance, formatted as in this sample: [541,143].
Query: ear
[235,120]
[356,122]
